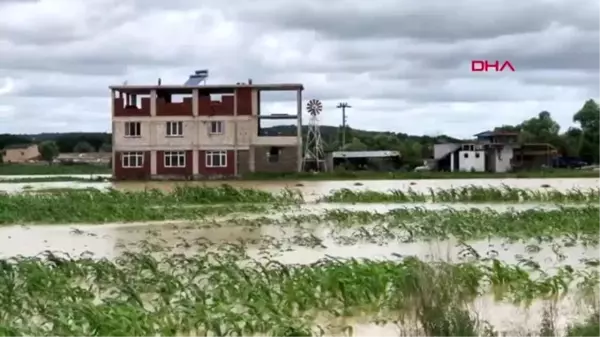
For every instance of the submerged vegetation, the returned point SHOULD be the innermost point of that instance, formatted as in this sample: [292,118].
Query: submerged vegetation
[571,225]
[195,281]
[96,206]
[468,194]
[215,294]
[197,202]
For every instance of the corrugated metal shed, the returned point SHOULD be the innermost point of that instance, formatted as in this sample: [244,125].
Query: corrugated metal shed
[365,154]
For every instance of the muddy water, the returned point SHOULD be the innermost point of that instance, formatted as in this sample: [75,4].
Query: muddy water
[110,240]
[291,245]
[313,189]
[83,176]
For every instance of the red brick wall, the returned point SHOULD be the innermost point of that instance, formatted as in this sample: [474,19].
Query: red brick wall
[244,101]
[207,107]
[121,173]
[183,171]
[224,171]
[174,109]
[122,111]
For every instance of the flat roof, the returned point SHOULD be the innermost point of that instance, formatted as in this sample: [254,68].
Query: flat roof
[497,133]
[213,88]
[365,154]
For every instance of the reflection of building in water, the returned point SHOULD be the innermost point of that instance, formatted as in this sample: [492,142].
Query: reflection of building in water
[195,131]
[98,239]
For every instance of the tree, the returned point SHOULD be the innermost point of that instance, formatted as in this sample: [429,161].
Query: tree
[105,147]
[542,129]
[48,150]
[83,147]
[572,140]
[588,117]
[355,145]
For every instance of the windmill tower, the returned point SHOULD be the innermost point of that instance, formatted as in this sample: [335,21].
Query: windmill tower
[314,157]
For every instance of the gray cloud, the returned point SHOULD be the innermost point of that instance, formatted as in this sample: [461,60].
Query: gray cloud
[403,65]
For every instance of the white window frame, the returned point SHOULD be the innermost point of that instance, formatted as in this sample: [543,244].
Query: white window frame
[136,127]
[210,155]
[132,159]
[174,129]
[216,127]
[174,159]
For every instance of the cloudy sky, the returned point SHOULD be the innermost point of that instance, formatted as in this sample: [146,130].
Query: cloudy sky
[403,65]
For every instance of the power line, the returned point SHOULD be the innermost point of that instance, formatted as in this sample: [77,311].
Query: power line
[343,106]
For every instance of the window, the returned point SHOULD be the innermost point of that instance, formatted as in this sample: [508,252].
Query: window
[216,159]
[273,154]
[174,129]
[133,129]
[466,155]
[476,155]
[216,127]
[174,159]
[132,159]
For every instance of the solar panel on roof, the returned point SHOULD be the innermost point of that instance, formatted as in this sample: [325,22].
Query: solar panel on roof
[198,77]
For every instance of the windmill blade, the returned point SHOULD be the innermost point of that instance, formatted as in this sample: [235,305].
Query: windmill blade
[314,107]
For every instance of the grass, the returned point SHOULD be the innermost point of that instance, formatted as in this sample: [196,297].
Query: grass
[55,169]
[143,294]
[469,194]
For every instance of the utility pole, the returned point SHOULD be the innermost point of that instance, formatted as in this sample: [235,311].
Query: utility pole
[343,106]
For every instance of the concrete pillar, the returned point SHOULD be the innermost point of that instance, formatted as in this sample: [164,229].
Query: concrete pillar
[253,132]
[195,159]
[153,163]
[254,102]
[152,103]
[299,128]
[251,159]
[113,95]
[235,134]
[195,102]
[452,162]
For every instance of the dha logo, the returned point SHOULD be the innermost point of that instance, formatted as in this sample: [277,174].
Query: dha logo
[485,65]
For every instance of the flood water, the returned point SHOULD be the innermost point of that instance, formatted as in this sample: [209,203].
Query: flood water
[312,189]
[310,243]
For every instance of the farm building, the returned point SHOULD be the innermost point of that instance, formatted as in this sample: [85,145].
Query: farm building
[195,131]
[364,160]
[493,151]
[20,153]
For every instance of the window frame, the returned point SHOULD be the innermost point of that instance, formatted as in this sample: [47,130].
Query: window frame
[179,156]
[139,159]
[135,126]
[214,130]
[174,129]
[209,158]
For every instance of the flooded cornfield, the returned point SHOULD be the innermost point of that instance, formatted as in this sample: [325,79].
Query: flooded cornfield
[300,258]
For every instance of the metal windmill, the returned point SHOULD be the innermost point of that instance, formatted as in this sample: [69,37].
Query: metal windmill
[314,157]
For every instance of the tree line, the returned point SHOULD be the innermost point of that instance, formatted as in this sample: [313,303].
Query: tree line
[581,141]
